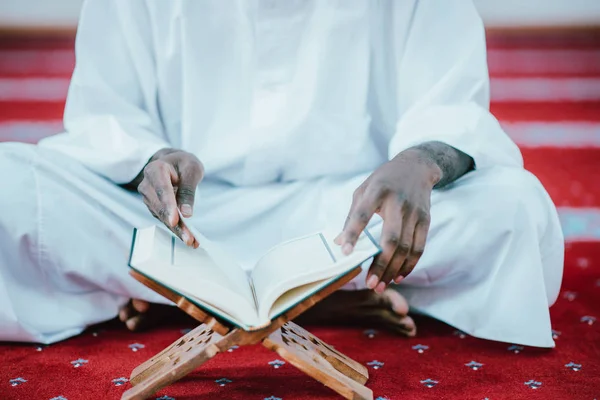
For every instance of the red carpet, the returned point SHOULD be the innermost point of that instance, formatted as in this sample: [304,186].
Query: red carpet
[555,121]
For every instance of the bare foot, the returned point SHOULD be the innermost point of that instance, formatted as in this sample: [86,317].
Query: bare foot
[364,308]
[139,315]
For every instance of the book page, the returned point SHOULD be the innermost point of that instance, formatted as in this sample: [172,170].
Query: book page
[295,295]
[293,267]
[207,273]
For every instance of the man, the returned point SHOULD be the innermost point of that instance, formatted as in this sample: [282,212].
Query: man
[263,120]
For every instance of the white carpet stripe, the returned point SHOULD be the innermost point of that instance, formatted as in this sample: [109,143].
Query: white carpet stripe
[28,131]
[502,89]
[525,134]
[34,89]
[554,134]
[580,224]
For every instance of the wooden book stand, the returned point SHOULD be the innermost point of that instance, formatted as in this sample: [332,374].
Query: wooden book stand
[291,342]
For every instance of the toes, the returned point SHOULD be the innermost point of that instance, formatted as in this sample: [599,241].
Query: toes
[135,323]
[386,318]
[133,308]
[126,312]
[401,325]
[406,326]
[140,306]
[395,301]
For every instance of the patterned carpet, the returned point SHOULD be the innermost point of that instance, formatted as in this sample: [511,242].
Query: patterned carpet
[546,93]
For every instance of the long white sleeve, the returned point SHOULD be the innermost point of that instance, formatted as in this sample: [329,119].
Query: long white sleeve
[443,86]
[111,119]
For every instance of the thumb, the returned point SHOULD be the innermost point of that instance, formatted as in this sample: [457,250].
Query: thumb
[190,176]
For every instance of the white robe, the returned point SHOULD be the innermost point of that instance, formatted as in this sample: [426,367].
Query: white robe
[289,105]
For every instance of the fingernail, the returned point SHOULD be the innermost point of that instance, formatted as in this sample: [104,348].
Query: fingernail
[338,239]
[398,279]
[186,210]
[347,249]
[372,281]
[185,237]
[130,324]
[380,288]
[174,218]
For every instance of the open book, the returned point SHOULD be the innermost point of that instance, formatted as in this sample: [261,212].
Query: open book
[211,279]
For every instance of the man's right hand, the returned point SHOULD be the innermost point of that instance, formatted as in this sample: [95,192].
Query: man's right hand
[168,183]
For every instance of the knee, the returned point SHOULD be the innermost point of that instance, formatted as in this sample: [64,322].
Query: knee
[519,191]
[513,199]
[521,211]
[498,200]
[518,181]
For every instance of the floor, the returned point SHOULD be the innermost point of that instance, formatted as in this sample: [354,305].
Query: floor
[546,93]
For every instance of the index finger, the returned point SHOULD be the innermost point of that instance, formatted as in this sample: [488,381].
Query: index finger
[358,219]
[163,203]
[171,216]
[184,233]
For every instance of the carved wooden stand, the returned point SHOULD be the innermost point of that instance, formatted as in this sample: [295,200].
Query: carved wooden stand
[290,341]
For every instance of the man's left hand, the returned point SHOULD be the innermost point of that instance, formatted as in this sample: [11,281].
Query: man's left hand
[400,192]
